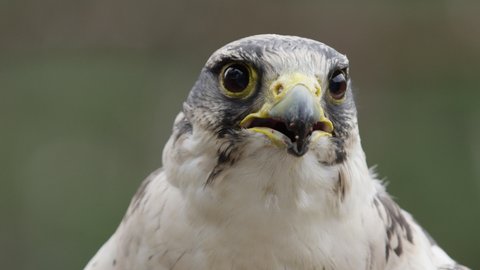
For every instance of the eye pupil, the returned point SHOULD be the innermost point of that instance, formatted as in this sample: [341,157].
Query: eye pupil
[236,78]
[338,85]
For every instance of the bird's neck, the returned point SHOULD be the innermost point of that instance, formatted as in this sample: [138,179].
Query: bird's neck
[266,188]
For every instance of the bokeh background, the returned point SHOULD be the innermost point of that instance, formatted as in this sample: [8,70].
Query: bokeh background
[89,90]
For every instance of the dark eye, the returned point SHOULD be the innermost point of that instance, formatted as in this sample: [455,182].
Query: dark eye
[338,84]
[236,78]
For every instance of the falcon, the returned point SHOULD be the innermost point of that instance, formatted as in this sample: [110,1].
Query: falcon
[265,170]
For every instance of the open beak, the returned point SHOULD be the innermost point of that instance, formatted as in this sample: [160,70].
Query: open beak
[292,116]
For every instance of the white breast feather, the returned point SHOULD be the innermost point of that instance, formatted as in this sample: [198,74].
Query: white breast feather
[280,214]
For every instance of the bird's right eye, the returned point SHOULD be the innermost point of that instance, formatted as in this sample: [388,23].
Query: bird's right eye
[238,80]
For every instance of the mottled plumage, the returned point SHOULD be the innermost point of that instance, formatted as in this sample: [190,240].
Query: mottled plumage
[265,170]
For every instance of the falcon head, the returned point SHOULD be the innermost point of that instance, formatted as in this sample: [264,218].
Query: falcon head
[266,98]
[289,93]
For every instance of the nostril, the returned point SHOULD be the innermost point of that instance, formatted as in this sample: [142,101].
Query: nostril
[278,88]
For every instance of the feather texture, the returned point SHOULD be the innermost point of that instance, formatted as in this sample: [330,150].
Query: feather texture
[233,200]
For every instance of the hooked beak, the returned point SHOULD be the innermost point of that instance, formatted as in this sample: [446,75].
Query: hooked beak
[293,116]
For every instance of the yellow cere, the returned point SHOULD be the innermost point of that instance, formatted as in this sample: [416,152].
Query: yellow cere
[288,81]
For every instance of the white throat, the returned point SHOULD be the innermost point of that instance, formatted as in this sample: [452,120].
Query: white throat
[266,185]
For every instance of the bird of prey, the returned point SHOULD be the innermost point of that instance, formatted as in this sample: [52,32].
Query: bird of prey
[265,170]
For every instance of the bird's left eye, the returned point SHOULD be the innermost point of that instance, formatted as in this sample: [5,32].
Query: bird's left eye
[338,85]
[237,80]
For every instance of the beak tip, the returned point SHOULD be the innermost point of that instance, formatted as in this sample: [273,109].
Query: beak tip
[298,148]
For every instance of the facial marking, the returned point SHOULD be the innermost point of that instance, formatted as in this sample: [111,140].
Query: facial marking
[292,98]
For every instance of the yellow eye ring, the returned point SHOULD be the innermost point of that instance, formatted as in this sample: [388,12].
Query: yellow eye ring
[238,80]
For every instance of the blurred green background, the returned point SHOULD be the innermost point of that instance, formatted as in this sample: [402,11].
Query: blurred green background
[89,90]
